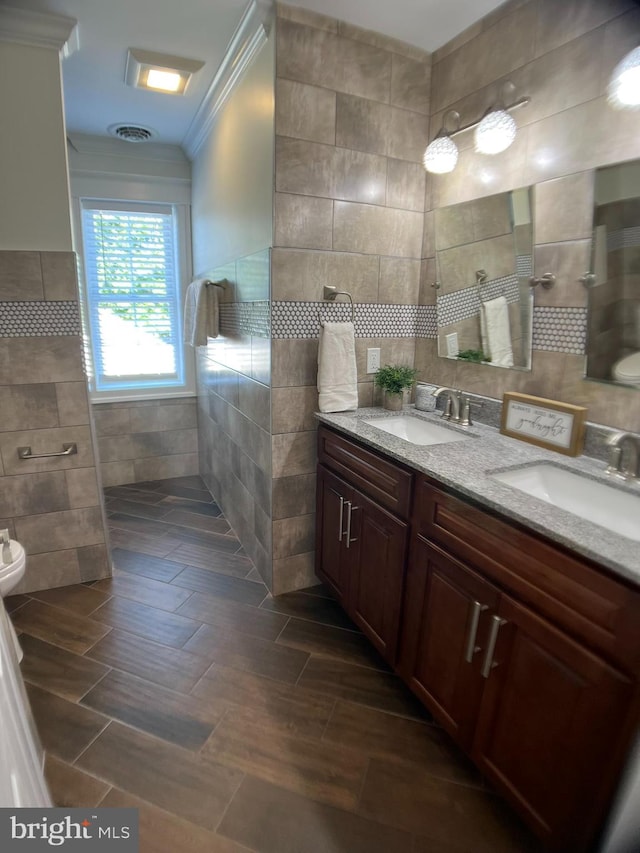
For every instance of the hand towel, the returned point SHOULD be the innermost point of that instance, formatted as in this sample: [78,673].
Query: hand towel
[201,313]
[337,373]
[495,331]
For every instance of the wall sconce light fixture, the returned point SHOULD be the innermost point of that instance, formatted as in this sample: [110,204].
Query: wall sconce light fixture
[441,155]
[623,91]
[495,132]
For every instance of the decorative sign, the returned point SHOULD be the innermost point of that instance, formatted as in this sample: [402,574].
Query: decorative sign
[547,423]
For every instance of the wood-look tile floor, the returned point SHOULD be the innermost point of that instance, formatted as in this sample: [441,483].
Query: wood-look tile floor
[232,720]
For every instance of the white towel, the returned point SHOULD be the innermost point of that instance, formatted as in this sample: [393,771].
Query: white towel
[201,313]
[495,331]
[337,372]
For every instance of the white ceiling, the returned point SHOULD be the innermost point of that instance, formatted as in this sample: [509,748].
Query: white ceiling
[94,89]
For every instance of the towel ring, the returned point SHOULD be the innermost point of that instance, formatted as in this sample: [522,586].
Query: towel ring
[330,294]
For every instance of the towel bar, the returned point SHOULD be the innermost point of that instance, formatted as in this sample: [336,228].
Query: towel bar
[330,293]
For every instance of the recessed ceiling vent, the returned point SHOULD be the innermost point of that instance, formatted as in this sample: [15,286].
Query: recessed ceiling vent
[132,132]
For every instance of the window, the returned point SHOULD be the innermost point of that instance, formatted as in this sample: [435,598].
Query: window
[131,264]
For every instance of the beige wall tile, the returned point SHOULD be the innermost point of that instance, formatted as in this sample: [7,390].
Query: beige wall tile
[313,169]
[115,448]
[293,409]
[300,275]
[55,531]
[302,222]
[457,41]
[410,83]
[20,276]
[563,208]
[163,417]
[377,230]
[59,276]
[94,562]
[46,359]
[294,535]
[405,185]
[294,453]
[73,403]
[305,112]
[428,280]
[409,135]
[294,495]
[382,41]
[295,362]
[29,494]
[46,571]
[559,23]
[399,281]
[82,486]
[306,16]
[164,467]
[111,421]
[363,125]
[28,407]
[296,572]
[255,401]
[117,473]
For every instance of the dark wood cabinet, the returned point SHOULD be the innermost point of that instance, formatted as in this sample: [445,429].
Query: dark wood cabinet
[361,552]
[527,655]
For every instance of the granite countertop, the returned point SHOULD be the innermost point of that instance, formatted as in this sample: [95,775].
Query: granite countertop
[466,466]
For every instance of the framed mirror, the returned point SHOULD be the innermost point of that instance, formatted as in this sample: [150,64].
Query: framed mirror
[484,258]
[613,281]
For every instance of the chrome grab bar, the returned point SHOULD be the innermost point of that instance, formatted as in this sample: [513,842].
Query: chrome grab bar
[478,607]
[496,623]
[67,450]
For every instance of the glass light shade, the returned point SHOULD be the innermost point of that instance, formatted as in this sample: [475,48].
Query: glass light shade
[624,87]
[441,155]
[495,133]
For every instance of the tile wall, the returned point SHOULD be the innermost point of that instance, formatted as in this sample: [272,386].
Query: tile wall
[351,122]
[234,410]
[53,506]
[146,440]
[561,55]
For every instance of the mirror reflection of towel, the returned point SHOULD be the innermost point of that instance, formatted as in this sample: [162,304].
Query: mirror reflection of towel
[337,372]
[495,331]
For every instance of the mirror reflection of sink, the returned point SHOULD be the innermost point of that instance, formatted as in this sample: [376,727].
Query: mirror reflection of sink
[605,505]
[416,430]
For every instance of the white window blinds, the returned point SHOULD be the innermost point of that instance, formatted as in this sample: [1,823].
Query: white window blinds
[132,290]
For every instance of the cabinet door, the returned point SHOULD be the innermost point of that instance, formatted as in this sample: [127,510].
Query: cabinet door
[552,722]
[446,619]
[377,548]
[331,556]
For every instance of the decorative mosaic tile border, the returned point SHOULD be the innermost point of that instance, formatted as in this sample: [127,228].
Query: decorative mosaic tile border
[462,304]
[371,320]
[560,330]
[243,319]
[39,319]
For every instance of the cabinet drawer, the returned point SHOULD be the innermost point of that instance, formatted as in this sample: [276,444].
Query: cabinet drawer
[385,482]
[590,604]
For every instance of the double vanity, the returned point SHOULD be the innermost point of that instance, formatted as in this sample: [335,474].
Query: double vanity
[501,581]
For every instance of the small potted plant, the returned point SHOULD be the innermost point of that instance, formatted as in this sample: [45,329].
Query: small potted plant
[394,379]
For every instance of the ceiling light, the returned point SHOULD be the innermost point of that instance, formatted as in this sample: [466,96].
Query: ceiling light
[158,71]
[495,133]
[623,91]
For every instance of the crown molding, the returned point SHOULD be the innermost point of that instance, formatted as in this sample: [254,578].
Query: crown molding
[250,35]
[38,29]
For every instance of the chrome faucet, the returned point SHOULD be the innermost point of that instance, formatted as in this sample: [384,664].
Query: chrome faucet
[452,406]
[617,442]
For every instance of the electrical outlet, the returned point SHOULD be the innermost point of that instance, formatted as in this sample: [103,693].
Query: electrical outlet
[373,359]
[452,345]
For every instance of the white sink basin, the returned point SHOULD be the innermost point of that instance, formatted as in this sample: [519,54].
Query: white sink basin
[416,430]
[592,500]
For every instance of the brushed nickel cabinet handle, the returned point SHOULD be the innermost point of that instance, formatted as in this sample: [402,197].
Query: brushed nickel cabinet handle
[67,450]
[350,509]
[341,499]
[496,623]
[478,607]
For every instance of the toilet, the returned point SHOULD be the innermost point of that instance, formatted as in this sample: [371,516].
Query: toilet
[627,370]
[11,573]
